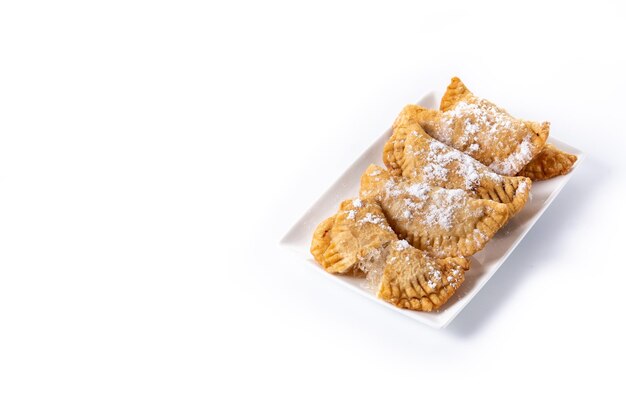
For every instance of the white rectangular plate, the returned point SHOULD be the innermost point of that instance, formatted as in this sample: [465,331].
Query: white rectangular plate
[483,264]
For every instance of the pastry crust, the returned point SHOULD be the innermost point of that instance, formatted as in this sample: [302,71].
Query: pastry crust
[359,231]
[549,163]
[454,93]
[321,239]
[359,240]
[449,187]
[394,148]
[442,222]
[413,280]
[480,129]
[412,153]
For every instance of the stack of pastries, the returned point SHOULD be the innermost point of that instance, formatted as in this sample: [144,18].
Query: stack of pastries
[452,178]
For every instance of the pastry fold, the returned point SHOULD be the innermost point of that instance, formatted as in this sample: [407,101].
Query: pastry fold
[413,280]
[480,129]
[413,154]
[440,221]
[357,233]
[358,240]
[549,163]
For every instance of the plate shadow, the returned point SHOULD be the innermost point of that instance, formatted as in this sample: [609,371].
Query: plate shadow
[536,245]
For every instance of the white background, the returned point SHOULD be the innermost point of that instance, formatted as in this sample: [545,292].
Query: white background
[152,154]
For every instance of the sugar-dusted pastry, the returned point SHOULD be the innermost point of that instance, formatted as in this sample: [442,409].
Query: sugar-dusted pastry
[480,129]
[359,231]
[358,239]
[412,153]
[550,162]
[413,280]
[442,222]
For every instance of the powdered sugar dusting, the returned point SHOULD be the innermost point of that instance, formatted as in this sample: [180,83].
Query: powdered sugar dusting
[481,125]
[477,116]
[431,206]
[436,171]
[419,190]
[392,189]
[478,237]
[443,161]
[402,245]
[445,203]
[374,219]
[434,275]
[516,160]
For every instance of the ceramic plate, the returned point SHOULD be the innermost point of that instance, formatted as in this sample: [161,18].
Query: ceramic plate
[484,263]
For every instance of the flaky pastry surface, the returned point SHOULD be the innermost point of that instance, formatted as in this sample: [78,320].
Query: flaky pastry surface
[549,163]
[413,280]
[480,129]
[353,234]
[412,153]
[440,221]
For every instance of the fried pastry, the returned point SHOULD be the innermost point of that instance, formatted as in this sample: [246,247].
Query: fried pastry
[454,177]
[321,239]
[549,163]
[393,149]
[442,222]
[411,153]
[480,129]
[358,239]
[413,280]
[358,232]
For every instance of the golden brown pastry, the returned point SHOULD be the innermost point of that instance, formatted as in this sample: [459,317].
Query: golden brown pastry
[321,239]
[480,129]
[550,162]
[411,153]
[356,233]
[449,188]
[393,150]
[442,222]
[359,240]
[413,280]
